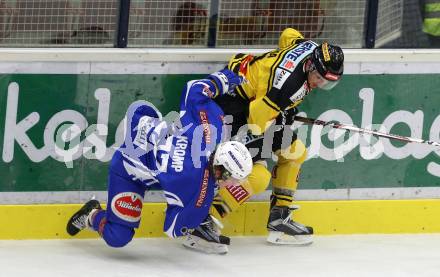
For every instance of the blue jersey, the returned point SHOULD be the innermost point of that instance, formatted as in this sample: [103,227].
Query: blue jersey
[174,157]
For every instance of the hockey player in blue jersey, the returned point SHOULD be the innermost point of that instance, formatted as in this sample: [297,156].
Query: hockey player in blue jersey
[187,160]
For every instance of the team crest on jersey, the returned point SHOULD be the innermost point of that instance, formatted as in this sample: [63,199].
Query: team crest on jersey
[127,206]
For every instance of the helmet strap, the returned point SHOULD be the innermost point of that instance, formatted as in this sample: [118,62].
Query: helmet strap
[212,167]
[211,162]
[310,66]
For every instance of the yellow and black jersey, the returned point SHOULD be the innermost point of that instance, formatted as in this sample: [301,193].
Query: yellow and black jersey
[276,80]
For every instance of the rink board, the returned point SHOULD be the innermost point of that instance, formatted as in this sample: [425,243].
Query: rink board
[43,91]
[326,217]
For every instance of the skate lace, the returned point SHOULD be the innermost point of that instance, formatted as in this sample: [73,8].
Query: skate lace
[80,222]
[288,218]
[213,225]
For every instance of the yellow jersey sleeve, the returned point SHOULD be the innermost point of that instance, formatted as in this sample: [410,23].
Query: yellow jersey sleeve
[261,113]
[289,37]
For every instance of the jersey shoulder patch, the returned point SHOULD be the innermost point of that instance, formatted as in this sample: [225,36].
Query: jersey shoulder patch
[281,76]
[296,55]
[300,93]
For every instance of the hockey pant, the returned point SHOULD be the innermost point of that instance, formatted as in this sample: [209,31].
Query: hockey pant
[284,177]
[116,224]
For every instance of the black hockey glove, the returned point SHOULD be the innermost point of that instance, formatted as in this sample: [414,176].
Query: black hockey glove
[286,117]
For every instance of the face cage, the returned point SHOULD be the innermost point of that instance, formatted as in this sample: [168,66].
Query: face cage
[324,83]
[226,176]
[327,85]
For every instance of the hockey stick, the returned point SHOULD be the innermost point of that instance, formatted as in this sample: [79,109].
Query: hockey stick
[312,121]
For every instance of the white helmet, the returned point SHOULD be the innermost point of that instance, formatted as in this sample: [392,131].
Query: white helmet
[235,158]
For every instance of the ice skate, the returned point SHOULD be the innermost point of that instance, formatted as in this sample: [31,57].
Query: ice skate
[283,230]
[207,238]
[80,220]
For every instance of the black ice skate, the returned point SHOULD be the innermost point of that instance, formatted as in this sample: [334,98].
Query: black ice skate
[283,230]
[79,221]
[207,238]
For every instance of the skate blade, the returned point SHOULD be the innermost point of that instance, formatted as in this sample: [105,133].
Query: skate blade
[201,245]
[281,238]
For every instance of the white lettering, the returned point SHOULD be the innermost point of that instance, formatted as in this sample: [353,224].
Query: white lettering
[414,122]
[62,135]
[58,152]
[17,131]
[179,153]
[62,129]
[96,135]
[337,136]
[368,149]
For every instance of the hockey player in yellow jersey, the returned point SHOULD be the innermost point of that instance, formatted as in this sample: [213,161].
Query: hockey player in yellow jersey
[277,82]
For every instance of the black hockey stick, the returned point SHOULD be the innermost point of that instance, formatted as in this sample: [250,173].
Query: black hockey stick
[312,121]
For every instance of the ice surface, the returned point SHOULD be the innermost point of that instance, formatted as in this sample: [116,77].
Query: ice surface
[354,255]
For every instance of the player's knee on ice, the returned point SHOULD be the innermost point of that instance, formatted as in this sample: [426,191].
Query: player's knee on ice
[117,235]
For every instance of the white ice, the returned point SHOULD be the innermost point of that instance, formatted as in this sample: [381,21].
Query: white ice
[354,255]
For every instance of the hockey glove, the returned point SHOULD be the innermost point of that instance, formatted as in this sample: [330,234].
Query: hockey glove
[226,81]
[286,117]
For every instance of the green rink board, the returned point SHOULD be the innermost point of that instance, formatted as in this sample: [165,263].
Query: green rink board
[47,103]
